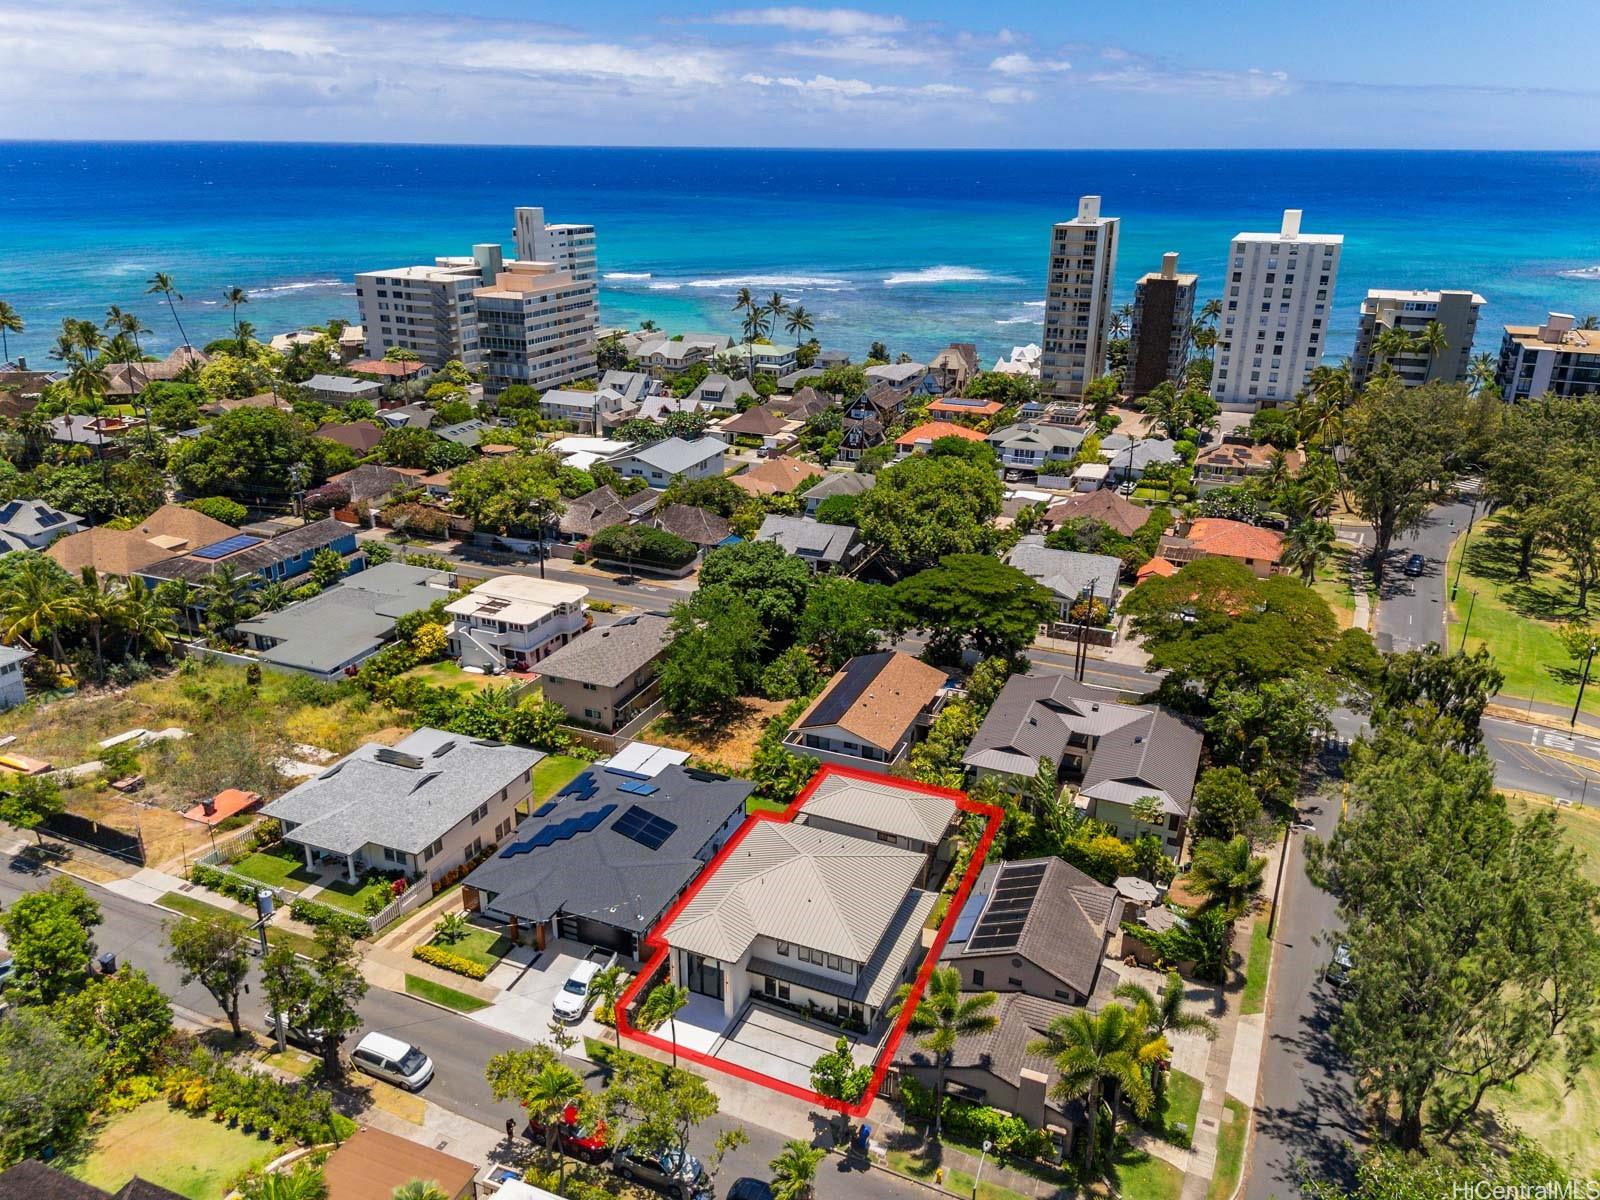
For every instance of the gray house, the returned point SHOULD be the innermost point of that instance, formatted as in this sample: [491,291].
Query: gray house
[660,463]
[33,524]
[1069,575]
[603,676]
[837,483]
[13,690]
[822,547]
[1028,447]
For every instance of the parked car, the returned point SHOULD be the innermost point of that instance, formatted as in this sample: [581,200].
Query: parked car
[750,1189]
[1339,968]
[7,968]
[574,1139]
[677,1175]
[392,1061]
[1416,565]
[572,1001]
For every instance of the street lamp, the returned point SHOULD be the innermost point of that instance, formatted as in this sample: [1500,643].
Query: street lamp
[1468,623]
[266,900]
[1462,561]
[987,1146]
[1584,682]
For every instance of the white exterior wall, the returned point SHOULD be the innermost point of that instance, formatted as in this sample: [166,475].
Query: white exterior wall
[430,310]
[13,691]
[1262,267]
[1077,313]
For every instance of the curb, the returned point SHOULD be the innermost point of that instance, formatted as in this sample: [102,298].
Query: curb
[1244,1151]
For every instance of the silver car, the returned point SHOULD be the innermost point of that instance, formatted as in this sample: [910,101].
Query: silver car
[392,1061]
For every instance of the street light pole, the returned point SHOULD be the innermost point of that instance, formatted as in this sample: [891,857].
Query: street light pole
[1584,682]
[1462,561]
[265,900]
[1468,623]
[987,1146]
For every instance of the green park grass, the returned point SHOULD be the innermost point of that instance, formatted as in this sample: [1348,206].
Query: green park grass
[483,946]
[275,868]
[438,993]
[201,911]
[1180,1109]
[552,773]
[189,1155]
[1230,1151]
[1540,1104]
[1257,965]
[447,674]
[1518,620]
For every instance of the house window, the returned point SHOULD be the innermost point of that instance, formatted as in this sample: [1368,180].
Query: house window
[1014,982]
[783,949]
[436,848]
[977,978]
[835,963]
[775,988]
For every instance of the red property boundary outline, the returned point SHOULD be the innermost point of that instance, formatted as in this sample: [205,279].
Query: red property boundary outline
[656,940]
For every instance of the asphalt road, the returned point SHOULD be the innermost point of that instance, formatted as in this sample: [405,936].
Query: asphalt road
[460,1048]
[1306,1113]
[1411,611]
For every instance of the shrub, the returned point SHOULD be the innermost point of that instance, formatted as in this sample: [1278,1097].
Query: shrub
[220,508]
[429,641]
[417,520]
[328,497]
[234,887]
[321,916]
[977,1123]
[287,1112]
[449,961]
[655,545]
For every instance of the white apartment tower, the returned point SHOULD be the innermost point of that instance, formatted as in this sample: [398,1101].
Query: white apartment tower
[529,320]
[1077,308]
[1275,315]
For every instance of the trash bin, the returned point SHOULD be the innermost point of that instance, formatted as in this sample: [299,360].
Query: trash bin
[108,963]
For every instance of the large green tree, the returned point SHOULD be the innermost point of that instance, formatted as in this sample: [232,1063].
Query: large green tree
[124,1017]
[1472,931]
[714,656]
[973,600]
[927,507]
[211,950]
[321,994]
[844,617]
[771,581]
[50,935]
[510,493]
[249,452]
[48,1086]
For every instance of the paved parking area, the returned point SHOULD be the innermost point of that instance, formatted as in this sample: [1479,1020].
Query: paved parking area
[527,980]
[783,1046]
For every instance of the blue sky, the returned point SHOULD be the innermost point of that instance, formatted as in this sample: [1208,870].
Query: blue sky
[1006,73]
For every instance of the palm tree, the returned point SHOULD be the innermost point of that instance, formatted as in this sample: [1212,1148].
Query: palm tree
[648,326]
[1432,339]
[35,604]
[1590,321]
[1089,1049]
[1322,407]
[305,1182]
[419,1189]
[661,1007]
[10,322]
[756,322]
[1308,543]
[161,284]
[794,1171]
[96,602]
[233,297]
[86,380]
[1228,874]
[1482,372]
[244,333]
[606,988]
[944,1015]
[1211,310]
[549,1094]
[743,301]
[1390,344]
[224,597]
[777,306]
[144,618]
[799,322]
[1163,1014]
[178,595]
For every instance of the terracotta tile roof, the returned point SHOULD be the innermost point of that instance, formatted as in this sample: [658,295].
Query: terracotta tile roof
[389,370]
[933,430]
[971,408]
[226,803]
[776,476]
[171,530]
[1157,567]
[1234,539]
[876,697]
[1240,457]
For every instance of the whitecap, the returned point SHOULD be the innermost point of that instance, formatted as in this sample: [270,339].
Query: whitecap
[1586,273]
[1017,321]
[1033,304]
[626,275]
[296,287]
[665,287]
[769,281]
[940,274]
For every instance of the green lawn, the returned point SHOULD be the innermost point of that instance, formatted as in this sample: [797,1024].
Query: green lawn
[1139,1176]
[483,946]
[450,675]
[352,896]
[200,911]
[1230,1151]
[756,804]
[275,868]
[920,1166]
[439,994]
[1180,1107]
[1254,997]
[192,1156]
[1516,619]
[554,771]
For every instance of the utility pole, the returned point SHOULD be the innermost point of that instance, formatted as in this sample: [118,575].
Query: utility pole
[1462,561]
[1584,682]
[1468,624]
[266,899]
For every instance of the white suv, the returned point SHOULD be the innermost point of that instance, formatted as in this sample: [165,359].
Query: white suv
[392,1061]
[572,1001]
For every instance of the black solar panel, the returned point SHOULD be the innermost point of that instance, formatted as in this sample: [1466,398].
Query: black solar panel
[858,673]
[560,831]
[649,830]
[1002,922]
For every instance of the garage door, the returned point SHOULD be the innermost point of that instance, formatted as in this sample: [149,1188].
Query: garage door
[598,933]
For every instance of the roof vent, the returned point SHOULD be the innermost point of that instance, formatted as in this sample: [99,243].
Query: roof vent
[443,748]
[398,758]
[1095,707]
[1138,738]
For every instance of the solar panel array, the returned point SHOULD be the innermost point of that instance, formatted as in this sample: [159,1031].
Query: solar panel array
[227,546]
[1000,926]
[545,809]
[583,787]
[649,830]
[962,929]
[638,787]
[560,831]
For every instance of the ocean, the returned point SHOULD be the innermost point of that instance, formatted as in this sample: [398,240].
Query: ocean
[914,248]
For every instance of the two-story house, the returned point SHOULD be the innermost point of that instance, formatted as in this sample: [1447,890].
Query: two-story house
[511,622]
[1028,447]
[661,462]
[871,711]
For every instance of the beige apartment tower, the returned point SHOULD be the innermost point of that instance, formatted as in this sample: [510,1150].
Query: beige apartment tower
[1411,312]
[1077,309]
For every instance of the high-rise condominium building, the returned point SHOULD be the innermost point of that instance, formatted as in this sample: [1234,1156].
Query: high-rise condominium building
[1158,336]
[1077,307]
[1553,359]
[1274,315]
[1410,313]
[530,320]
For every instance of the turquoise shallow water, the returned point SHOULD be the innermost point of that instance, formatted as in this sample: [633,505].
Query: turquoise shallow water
[917,248]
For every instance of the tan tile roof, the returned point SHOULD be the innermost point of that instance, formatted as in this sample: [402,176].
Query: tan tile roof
[174,520]
[776,475]
[108,551]
[883,694]
[371,1164]
[1234,539]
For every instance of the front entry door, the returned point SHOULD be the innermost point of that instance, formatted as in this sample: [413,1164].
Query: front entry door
[702,975]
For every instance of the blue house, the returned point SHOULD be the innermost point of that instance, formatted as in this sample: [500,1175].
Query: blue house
[268,560]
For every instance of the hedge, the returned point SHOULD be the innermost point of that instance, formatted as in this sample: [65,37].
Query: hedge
[321,916]
[235,887]
[449,961]
[286,1112]
[655,545]
[977,1123]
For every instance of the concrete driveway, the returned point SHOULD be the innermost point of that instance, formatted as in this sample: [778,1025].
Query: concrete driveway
[783,1046]
[527,981]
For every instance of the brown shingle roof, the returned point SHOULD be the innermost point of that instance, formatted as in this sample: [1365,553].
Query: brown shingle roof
[1103,505]
[372,1163]
[693,524]
[125,551]
[757,422]
[360,436]
[877,697]
[776,476]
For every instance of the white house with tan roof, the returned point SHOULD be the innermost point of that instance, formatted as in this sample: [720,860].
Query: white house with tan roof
[511,622]
[869,714]
[883,810]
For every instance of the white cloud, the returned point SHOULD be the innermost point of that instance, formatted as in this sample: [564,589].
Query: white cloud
[827,85]
[1009,95]
[1228,85]
[866,50]
[1023,64]
[834,22]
